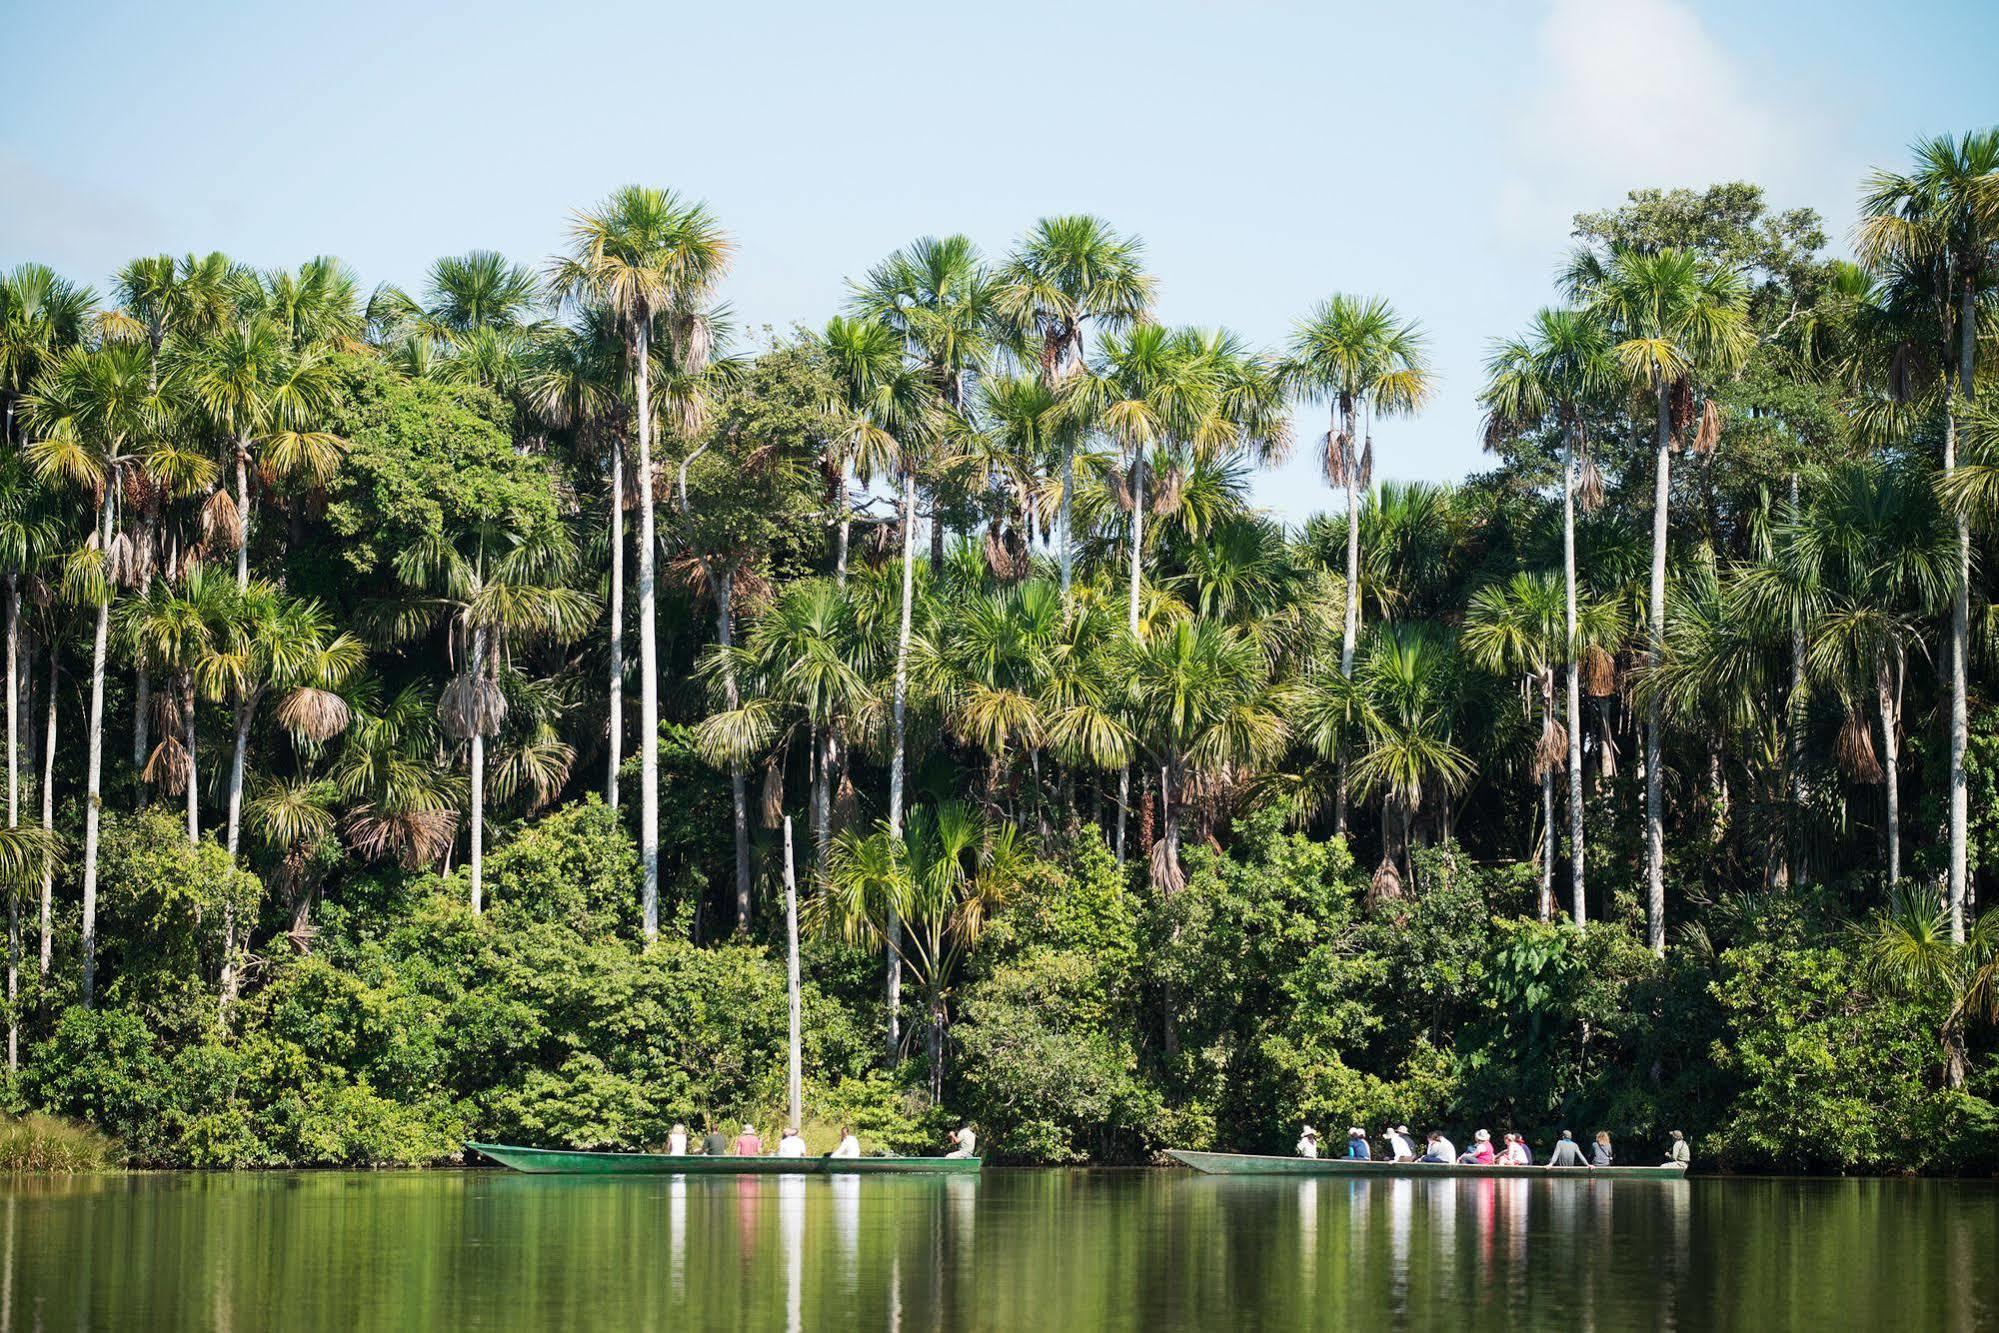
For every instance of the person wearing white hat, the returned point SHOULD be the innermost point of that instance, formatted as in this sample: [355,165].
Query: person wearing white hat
[1308,1142]
[1480,1152]
[1400,1146]
[1357,1147]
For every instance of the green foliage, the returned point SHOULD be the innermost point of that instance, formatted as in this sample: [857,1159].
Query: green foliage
[44,1143]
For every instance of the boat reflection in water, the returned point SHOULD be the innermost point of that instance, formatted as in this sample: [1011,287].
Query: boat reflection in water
[1010,1249]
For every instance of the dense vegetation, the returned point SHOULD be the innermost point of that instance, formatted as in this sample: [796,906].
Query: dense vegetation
[412,697]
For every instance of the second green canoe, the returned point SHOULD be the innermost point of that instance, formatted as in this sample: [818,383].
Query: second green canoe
[1249,1164]
[560,1161]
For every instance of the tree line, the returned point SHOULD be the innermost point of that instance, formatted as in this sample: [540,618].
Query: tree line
[974,569]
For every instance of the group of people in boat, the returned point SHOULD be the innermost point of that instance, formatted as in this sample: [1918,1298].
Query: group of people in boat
[1512,1150]
[749,1143]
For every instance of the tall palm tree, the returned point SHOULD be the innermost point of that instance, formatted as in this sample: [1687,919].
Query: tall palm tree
[939,883]
[42,315]
[172,627]
[265,399]
[1360,358]
[1202,708]
[91,413]
[1909,948]
[939,296]
[1067,274]
[1407,693]
[646,255]
[1550,377]
[489,588]
[574,385]
[1941,221]
[1679,325]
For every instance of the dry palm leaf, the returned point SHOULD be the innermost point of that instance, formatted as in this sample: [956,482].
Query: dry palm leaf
[1855,748]
[221,521]
[1589,484]
[1167,876]
[1170,486]
[1599,673]
[1386,886]
[413,837]
[315,714]
[471,706]
[1552,749]
[1337,448]
[773,794]
[1680,409]
[167,768]
[1708,434]
[1367,464]
[1006,554]
[846,801]
[1120,487]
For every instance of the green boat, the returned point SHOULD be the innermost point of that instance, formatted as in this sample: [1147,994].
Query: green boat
[1250,1164]
[561,1161]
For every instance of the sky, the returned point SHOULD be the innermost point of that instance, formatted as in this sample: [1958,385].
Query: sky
[1269,154]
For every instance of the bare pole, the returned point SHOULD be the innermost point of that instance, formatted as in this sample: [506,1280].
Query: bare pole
[794,1081]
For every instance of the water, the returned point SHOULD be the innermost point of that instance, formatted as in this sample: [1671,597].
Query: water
[1038,1250]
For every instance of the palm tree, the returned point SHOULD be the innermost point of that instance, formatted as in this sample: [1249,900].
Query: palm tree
[23,854]
[1909,948]
[91,412]
[403,804]
[938,295]
[488,588]
[41,316]
[574,385]
[645,255]
[264,398]
[938,884]
[1678,324]
[1941,222]
[1068,273]
[1407,691]
[171,627]
[1360,358]
[1202,708]
[1875,540]
[1551,377]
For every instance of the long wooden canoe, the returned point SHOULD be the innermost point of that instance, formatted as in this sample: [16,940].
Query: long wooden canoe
[559,1161]
[1250,1164]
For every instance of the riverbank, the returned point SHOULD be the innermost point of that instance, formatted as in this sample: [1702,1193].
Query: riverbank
[49,1145]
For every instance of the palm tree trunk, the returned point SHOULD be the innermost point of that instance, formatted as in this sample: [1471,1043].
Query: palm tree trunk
[1068,543]
[1885,694]
[13,814]
[142,730]
[648,643]
[1655,830]
[1960,627]
[478,830]
[1138,470]
[897,756]
[246,709]
[616,699]
[933,1043]
[822,794]
[1794,725]
[845,538]
[1350,630]
[1549,839]
[187,738]
[724,583]
[1123,807]
[1575,702]
[93,803]
[243,512]
[49,817]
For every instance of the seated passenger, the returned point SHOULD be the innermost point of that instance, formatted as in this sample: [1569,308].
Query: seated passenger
[1357,1148]
[1308,1142]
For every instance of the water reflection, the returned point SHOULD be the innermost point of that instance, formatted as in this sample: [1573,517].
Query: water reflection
[1152,1250]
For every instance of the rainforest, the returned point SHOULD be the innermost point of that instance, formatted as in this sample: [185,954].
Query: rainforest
[416,699]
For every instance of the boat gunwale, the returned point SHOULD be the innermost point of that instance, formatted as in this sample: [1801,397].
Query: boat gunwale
[728,1164]
[1274,1164]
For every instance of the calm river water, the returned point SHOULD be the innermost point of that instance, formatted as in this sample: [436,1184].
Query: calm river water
[1040,1250]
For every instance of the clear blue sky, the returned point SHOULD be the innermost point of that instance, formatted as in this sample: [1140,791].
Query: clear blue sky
[1270,154]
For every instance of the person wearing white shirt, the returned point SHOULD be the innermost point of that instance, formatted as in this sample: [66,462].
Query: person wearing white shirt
[676,1142]
[966,1141]
[1308,1142]
[791,1145]
[849,1145]
[1400,1146]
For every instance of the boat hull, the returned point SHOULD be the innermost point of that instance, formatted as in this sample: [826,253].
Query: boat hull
[562,1162]
[1250,1164]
